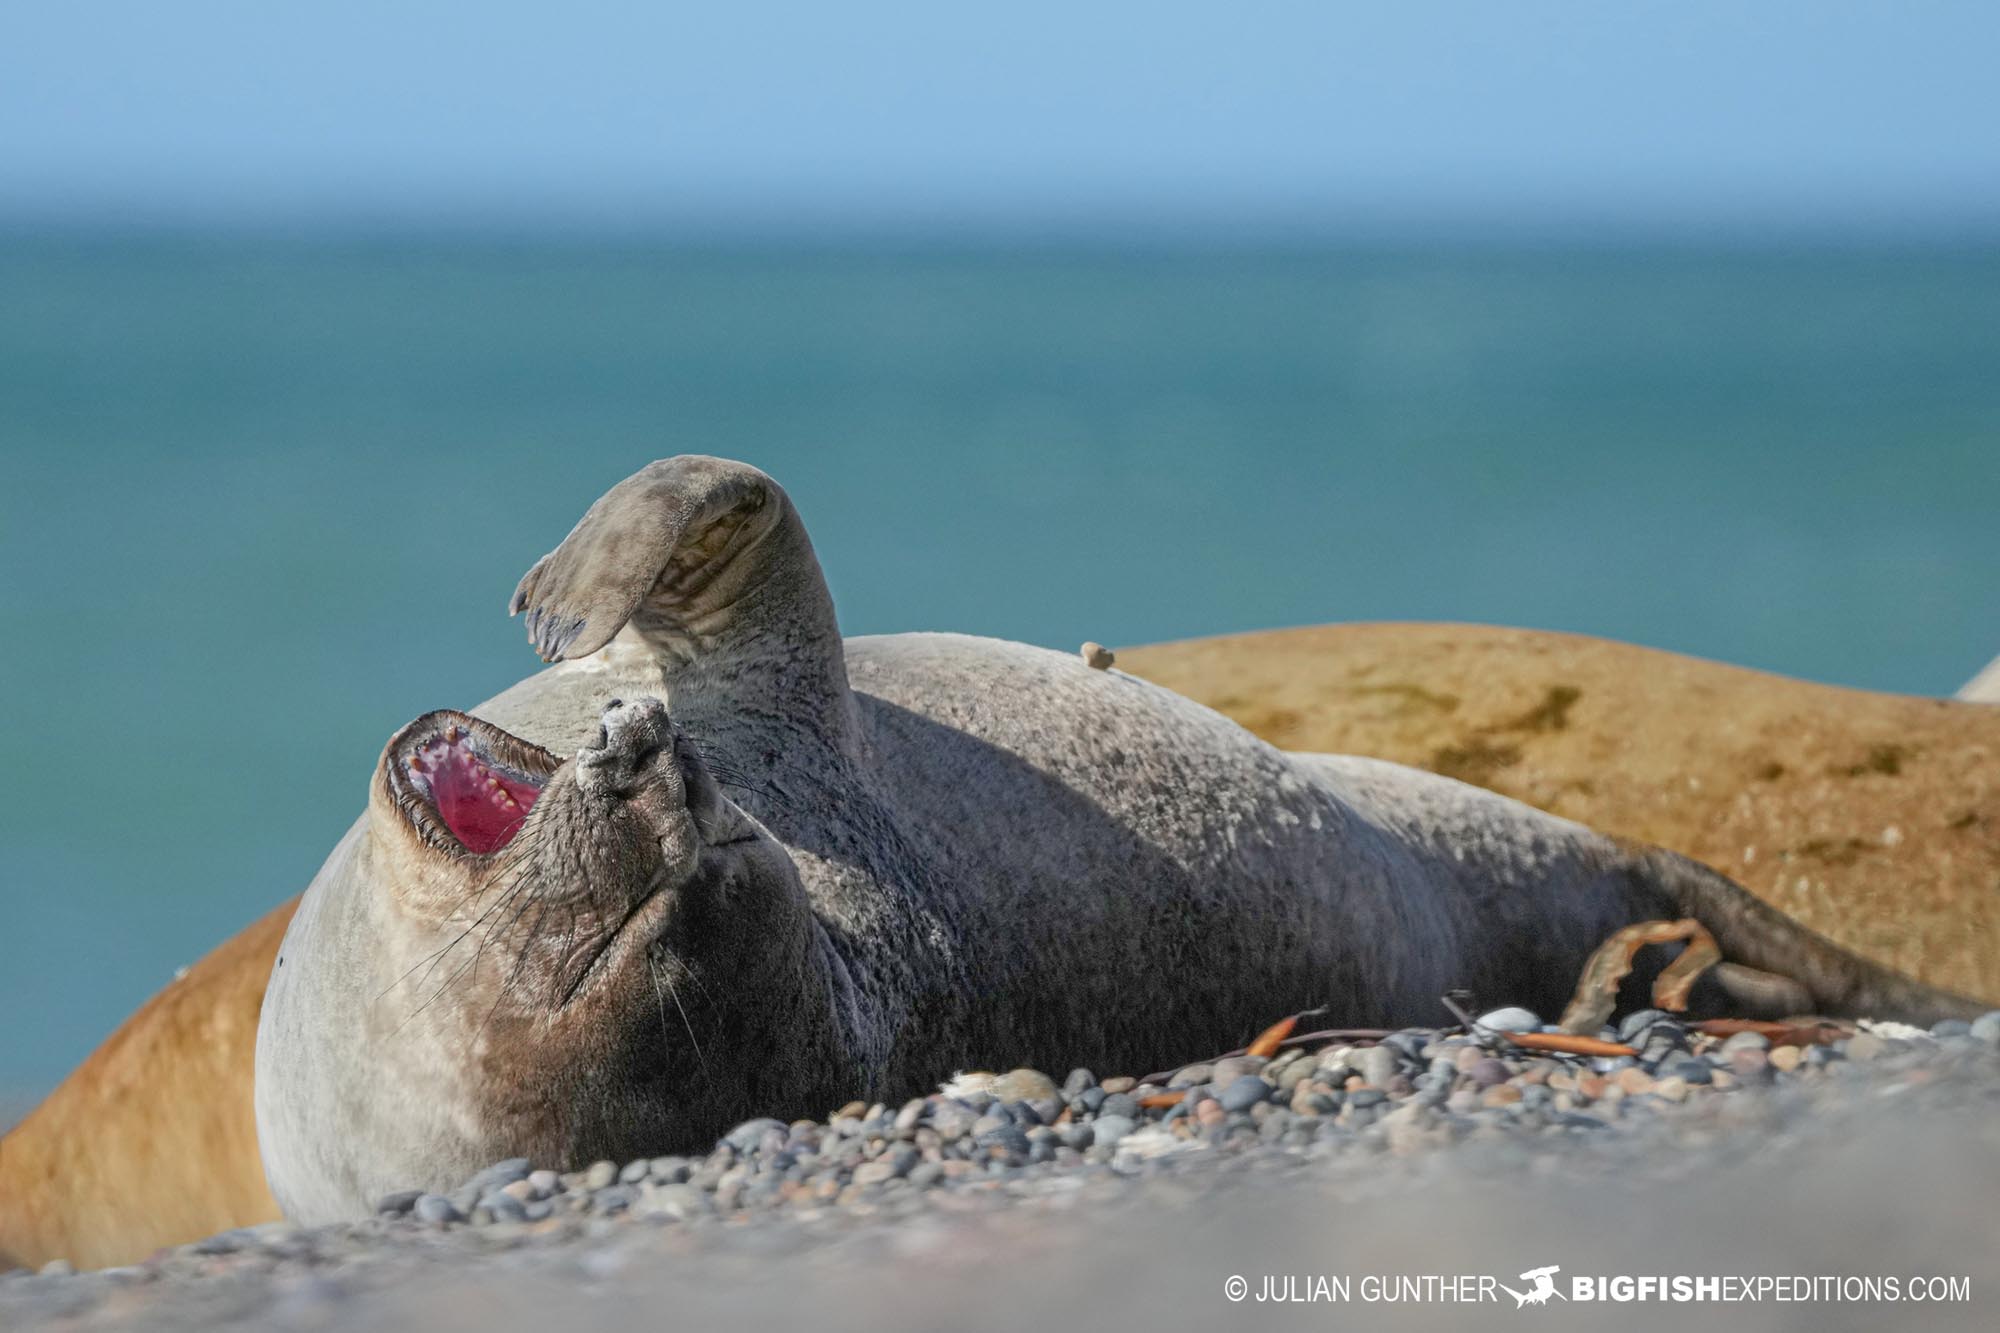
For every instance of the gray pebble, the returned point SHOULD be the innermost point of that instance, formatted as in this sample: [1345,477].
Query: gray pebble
[1375,1064]
[1108,1129]
[499,1174]
[1745,1041]
[1512,1019]
[874,1173]
[614,1198]
[1638,1022]
[1986,1027]
[600,1175]
[1227,1071]
[748,1136]
[1244,1093]
[1120,1104]
[504,1207]
[951,1119]
[1008,1137]
[436,1209]
[683,1202]
[1863,1046]
[398,1203]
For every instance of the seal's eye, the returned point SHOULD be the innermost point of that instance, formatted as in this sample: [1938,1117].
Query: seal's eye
[483,807]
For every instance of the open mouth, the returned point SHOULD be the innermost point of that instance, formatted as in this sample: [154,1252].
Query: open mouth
[481,799]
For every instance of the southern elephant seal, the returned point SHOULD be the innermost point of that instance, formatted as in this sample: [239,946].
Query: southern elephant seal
[1872,818]
[776,869]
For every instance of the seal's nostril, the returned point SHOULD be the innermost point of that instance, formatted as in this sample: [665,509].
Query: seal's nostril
[613,703]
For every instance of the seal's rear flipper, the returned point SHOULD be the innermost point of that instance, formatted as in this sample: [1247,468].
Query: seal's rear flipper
[1754,993]
[1782,963]
[707,560]
[664,533]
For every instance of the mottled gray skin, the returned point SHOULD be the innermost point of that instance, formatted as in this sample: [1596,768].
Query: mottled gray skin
[847,869]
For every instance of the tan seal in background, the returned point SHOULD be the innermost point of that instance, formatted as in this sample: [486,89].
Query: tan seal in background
[1872,818]
[152,1140]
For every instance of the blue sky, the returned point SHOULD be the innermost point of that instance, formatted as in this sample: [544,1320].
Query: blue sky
[1796,113]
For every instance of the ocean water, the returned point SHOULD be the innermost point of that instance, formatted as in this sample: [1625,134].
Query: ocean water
[262,502]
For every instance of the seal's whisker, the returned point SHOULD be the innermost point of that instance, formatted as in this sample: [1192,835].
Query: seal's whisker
[437,956]
[656,967]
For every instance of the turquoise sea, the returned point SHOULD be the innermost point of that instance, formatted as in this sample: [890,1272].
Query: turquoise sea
[263,501]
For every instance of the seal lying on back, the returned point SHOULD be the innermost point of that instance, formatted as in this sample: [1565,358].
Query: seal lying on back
[777,870]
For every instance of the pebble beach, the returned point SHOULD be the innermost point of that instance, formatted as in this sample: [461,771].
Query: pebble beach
[1004,1200]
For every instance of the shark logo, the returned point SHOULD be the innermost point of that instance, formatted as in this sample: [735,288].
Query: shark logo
[1538,1294]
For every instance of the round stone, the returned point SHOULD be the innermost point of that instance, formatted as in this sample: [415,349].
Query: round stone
[1375,1064]
[1750,1064]
[1635,1024]
[1696,1071]
[1024,1085]
[1227,1071]
[1864,1046]
[1244,1093]
[436,1210]
[1635,1081]
[874,1173]
[747,1137]
[1746,1041]
[1512,1019]
[1106,1130]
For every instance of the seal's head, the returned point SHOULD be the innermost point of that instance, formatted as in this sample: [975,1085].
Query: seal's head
[566,871]
[521,955]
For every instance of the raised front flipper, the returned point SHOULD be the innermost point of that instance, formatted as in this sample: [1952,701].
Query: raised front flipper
[707,560]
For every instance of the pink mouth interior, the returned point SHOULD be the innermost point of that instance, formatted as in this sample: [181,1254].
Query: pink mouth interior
[483,808]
